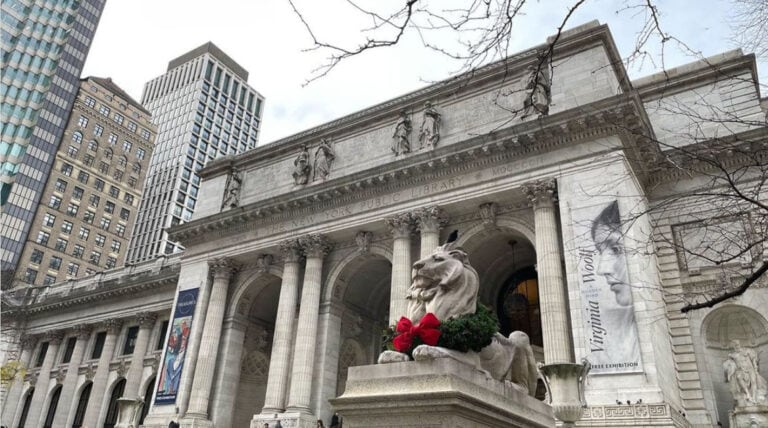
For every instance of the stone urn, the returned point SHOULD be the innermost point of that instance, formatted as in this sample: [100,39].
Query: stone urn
[565,389]
[128,411]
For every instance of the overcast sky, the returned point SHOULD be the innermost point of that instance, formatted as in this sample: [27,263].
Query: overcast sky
[136,39]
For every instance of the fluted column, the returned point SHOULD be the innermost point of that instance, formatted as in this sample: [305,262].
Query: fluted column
[34,417]
[401,226]
[279,360]
[222,270]
[82,332]
[552,297]
[133,377]
[27,344]
[430,220]
[315,248]
[93,410]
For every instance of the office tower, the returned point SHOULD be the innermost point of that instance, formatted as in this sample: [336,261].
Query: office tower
[204,108]
[45,45]
[91,200]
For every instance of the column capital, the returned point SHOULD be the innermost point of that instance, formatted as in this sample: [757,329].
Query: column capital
[401,225]
[146,319]
[431,219]
[82,331]
[363,240]
[113,325]
[54,336]
[27,341]
[315,245]
[222,268]
[541,192]
[290,250]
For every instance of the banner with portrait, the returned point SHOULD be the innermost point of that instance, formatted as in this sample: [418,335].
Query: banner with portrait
[606,293]
[176,349]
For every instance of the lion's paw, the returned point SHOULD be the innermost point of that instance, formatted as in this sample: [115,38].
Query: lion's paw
[387,357]
[426,352]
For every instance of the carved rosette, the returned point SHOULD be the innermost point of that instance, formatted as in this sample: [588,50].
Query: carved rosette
[290,251]
[363,240]
[222,268]
[401,225]
[315,245]
[146,319]
[82,331]
[431,219]
[54,337]
[541,192]
[113,325]
[488,214]
[263,262]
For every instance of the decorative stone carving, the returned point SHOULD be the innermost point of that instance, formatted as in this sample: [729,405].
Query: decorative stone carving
[263,262]
[90,371]
[301,168]
[488,214]
[232,189]
[324,157]
[538,89]
[290,250]
[748,387]
[429,133]
[401,225]
[82,331]
[155,363]
[258,337]
[541,192]
[431,219]
[60,376]
[400,143]
[112,325]
[315,245]
[55,336]
[363,240]
[31,378]
[223,267]
[146,319]
[565,389]
[27,341]
[121,369]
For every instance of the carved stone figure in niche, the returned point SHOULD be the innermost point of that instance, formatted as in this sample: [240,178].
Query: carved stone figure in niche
[538,89]
[400,143]
[429,133]
[232,189]
[324,157]
[748,387]
[301,167]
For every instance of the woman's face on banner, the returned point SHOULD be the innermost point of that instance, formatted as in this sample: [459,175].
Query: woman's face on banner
[613,263]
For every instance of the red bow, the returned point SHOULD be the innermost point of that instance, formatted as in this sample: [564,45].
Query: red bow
[426,330]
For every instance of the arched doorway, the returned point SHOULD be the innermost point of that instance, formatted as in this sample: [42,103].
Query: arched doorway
[518,305]
[117,392]
[148,393]
[82,405]
[25,409]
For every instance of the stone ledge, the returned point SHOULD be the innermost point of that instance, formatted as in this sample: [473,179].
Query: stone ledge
[635,415]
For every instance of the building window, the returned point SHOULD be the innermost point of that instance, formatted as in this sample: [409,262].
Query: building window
[132,126]
[90,102]
[82,121]
[114,191]
[89,216]
[72,151]
[132,182]
[54,263]
[104,223]
[61,185]
[116,246]
[125,213]
[122,161]
[83,177]
[94,200]
[30,276]
[145,134]
[128,199]
[49,219]
[69,349]
[49,279]
[42,238]
[78,251]
[66,227]
[120,229]
[99,185]
[111,262]
[137,168]
[108,154]
[93,145]
[83,234]
[61,244]
[112,139]
[127,145]
[41,354]
[118,118]
[100,239]
[77,193]
[98,344]
[66,169]
[77,137]
[54,202]
[95,257]
[72,209]
[109,207]
[103,167]
[37,256]
[140,153]
[118,175]
[130,340]
[104,110]
[98,130]
[163,332]
[72,268]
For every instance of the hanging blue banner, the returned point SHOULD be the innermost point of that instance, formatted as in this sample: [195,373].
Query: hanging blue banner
[176,349]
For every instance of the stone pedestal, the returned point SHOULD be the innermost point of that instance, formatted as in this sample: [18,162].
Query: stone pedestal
[128,411]
[435,393]
[749,417]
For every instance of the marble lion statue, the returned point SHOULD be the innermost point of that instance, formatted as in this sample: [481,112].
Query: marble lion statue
[445,284]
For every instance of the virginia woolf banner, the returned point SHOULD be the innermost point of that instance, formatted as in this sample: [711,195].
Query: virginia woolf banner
[606,295]
[178,337]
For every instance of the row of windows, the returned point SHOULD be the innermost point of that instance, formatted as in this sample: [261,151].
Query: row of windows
[77,138]
[116,117]
[99,184]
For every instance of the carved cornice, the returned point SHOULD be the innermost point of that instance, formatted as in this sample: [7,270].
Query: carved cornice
[431,219]
[315,245]
[401,225]
[290,250]
[146,319]
[541,192]
[54,336]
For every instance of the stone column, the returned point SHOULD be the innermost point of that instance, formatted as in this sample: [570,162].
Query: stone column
[83,332]
[401,226]
[315,248]
[93,410]
[38,403]
[228,374]
[279,360]
[133,377]
[429,221]
[552,297]
[27,344]
[222,270]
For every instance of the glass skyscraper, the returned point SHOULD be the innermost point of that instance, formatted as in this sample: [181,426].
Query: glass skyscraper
[203,108]
[45,45]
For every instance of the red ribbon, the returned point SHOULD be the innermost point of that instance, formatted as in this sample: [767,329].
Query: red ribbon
[426,330]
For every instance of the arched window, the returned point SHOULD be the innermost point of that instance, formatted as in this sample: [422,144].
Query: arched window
[93,145]
[108,153]
[148,393]
[122,161]
[82,404]
[52,407]
[25,409]
[137,168]
[117,392]
[77,137]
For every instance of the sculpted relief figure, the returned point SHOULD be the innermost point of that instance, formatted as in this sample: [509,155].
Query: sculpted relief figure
[301,167]
[429,133]
[748,387]
[232,189]
[400,143]
[538,90]
[324,157]
[445,287]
